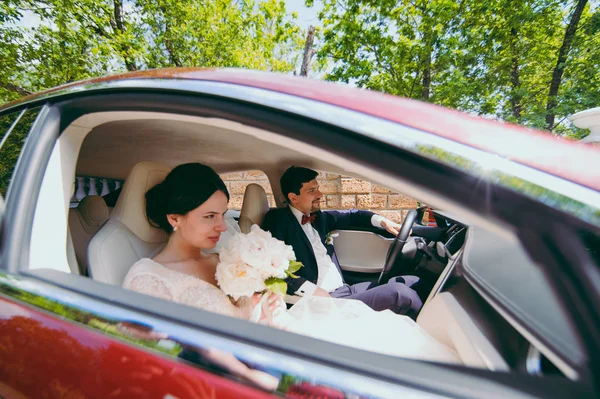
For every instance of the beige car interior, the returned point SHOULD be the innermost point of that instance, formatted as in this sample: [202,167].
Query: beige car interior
[127,236]
[110,145]
[254,207]
[349,248]
[84,221]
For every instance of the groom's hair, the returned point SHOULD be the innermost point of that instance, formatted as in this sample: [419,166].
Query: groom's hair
[294,177]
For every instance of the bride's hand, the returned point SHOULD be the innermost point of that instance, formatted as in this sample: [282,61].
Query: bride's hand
[275,303]
[277,311]
[274,306]
[256,297]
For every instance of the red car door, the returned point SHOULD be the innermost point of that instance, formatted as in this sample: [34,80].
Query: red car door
[43,356]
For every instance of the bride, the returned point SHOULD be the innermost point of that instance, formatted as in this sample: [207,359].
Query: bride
[190,205]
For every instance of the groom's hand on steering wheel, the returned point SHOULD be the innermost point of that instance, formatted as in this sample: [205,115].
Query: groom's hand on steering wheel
[392,227]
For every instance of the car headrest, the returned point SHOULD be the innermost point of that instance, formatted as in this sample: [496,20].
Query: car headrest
[93,212]
[254,207]
[130,208]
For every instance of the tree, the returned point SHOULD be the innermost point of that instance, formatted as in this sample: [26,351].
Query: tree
[219,33]
[80,39]
[580,85]
[499,58]
[10,36]
[395,47]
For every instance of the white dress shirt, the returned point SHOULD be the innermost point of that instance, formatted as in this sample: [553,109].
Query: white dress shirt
[329,277]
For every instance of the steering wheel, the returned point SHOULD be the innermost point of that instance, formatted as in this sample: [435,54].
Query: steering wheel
[395,250]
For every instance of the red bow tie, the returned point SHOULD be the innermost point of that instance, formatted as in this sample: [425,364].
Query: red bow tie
[311,218]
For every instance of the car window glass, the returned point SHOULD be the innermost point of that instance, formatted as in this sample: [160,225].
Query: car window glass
[13,144]
[237,182]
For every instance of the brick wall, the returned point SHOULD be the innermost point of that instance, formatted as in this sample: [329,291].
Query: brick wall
[339,192]
[236,184]
[343,192]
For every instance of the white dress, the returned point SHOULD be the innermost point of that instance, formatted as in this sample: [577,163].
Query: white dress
[342,321]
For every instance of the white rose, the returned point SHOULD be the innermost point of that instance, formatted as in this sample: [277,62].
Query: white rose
[289,253]
[281,254]
[256,231]
[254,251]
[237,279]
[231,252]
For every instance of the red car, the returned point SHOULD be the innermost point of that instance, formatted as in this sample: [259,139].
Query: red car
[511,268]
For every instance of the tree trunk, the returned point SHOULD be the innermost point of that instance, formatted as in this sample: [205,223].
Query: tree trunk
[559,69]
[516,96]
[118,15]
[308,51]
[172,53]
[426,75]
[429,37]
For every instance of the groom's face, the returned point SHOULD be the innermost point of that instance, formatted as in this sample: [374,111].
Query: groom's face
[309,199]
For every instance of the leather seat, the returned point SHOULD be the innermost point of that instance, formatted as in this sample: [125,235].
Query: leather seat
[84,221]
[254,207]
[127,236]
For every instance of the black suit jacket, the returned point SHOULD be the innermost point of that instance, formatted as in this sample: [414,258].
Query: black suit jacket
[284,226]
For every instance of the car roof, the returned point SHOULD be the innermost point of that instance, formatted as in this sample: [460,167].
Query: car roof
[568,159]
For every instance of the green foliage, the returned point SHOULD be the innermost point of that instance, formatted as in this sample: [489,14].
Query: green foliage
[76,40]
[276,285]
[11,149]
[294,266]
[493,58]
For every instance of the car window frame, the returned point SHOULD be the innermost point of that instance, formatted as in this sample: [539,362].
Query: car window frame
[8,134]
[52,123]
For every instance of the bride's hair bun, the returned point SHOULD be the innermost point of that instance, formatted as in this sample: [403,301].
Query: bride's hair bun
[156,204]
[184,189]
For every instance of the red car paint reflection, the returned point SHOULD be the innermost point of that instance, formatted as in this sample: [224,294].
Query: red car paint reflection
[45,357]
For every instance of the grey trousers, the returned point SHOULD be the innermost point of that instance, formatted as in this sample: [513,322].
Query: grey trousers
[394,295]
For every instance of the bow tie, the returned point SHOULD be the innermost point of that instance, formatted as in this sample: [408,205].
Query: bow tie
[311,218]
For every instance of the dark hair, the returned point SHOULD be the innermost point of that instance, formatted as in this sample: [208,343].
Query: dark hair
[184,189]
[294,177]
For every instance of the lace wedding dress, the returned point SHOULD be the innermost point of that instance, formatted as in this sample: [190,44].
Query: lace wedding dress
[342,321]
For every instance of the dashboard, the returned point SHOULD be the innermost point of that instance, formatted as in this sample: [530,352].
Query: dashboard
[453,237]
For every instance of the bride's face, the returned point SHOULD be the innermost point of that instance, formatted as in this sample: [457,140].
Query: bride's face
[203,226]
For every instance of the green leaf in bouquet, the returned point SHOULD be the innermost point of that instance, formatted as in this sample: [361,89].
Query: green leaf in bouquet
[276,285]
[294,266]
[292,275]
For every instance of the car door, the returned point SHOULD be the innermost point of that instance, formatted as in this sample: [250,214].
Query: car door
[187,336]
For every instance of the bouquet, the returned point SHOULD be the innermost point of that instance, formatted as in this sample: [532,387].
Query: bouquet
[254,263]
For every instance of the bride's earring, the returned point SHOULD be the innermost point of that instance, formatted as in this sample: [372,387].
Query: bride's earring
[175,228]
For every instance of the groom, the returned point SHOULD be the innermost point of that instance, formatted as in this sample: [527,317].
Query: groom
[305,227]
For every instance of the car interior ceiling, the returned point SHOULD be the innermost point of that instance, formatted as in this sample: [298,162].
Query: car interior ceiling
[450,300]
